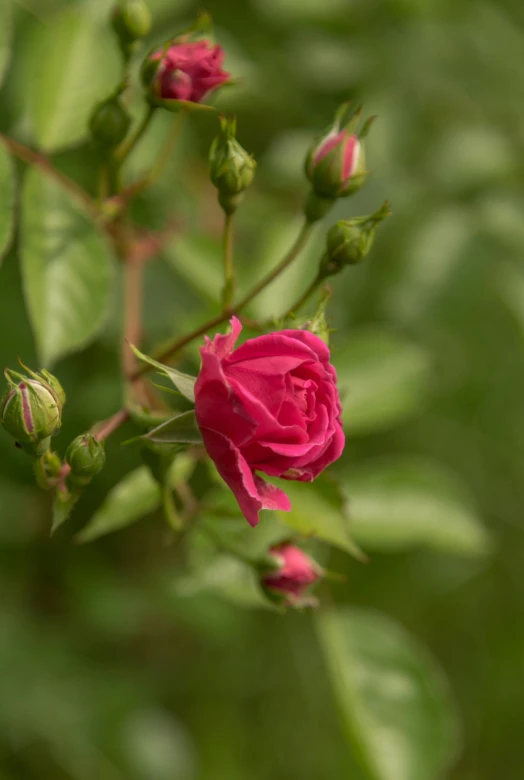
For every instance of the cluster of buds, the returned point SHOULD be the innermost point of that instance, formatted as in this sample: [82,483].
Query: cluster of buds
[335,164]
[231,168]
[32,409]
[290,576]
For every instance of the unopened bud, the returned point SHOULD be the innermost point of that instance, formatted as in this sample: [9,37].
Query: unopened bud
[131,20]
[86,457]
[32,409]
[109,123]
[349,241]
[291,575]
[335,165]
[231,168]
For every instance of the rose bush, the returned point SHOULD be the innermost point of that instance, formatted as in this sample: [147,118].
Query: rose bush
[188,71]
[269,406]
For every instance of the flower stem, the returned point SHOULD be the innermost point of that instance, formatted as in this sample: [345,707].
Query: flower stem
[103,430]
[133,277]
[286,261]
[27,155]
[170,510]
[315,284]
[125,149]
[114,422]
[229,269]
[181,342]
[146,181]
[40,473]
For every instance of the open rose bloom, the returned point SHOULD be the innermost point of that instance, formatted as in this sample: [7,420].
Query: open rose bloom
[188,71]
[269,406]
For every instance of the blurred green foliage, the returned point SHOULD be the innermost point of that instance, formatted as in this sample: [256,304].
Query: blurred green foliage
[111,667]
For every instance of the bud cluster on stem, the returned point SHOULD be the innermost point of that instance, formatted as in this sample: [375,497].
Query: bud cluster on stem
[269,406]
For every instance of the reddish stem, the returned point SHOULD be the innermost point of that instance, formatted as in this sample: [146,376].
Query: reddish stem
[105,429]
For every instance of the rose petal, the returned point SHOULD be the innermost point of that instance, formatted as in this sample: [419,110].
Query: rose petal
[221,345]
[251,492]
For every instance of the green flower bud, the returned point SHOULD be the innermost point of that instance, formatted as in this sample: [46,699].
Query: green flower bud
[231,168]
[32,409]
[86,457]
[335,165]
[131,20]
[109,123]
[349,241]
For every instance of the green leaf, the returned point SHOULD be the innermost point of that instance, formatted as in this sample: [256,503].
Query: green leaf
[181,429]
[319,511]
[383,379]
[68,79]
[62,508]
[402,502]
[67,269]
[227,577]
[7,198]
[183,382]
[6,30]
[394,701]
[136,495]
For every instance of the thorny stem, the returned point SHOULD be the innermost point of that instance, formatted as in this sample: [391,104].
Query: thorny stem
[229,269]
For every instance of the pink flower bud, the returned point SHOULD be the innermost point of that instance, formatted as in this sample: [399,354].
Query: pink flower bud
[335,165]
[184,71]
[293,574]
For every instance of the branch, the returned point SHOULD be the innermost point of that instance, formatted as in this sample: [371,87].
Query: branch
[31,157]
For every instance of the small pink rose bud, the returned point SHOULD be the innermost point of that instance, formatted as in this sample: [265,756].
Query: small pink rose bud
[335,165]
[183,72]
[292,575]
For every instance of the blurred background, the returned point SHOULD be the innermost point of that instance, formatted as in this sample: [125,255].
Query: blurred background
[107,671]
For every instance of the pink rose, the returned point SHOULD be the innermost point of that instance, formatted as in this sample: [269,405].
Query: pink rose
[295,573]
[270,406]
[188,71]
